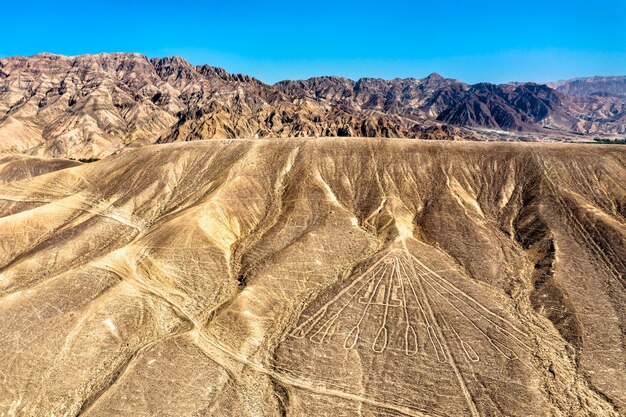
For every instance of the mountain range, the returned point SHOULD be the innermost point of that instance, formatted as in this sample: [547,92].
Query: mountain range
[205,263]
[91,106]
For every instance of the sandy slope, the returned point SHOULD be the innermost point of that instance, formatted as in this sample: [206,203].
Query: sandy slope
[316,277]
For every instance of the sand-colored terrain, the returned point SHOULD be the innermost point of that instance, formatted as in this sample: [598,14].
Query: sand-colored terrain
[344,277]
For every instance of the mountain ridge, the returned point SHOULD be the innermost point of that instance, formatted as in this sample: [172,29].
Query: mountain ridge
[94,105]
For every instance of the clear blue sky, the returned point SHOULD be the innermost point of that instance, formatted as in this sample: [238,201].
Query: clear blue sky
[479,40]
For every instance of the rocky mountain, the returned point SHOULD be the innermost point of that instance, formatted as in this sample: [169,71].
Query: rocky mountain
[95,105]
[613,86]
[436,98]
[346,277]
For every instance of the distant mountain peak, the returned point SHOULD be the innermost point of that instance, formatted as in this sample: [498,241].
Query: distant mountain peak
[434,77]
[587,86]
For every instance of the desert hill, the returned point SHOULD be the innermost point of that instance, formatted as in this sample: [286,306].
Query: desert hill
[312,277]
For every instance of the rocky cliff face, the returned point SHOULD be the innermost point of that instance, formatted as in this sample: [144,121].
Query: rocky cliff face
[95,105]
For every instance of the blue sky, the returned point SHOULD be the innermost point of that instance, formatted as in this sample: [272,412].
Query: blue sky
[479,40]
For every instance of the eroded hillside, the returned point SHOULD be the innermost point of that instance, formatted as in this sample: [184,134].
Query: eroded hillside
[315,277]
[96,105]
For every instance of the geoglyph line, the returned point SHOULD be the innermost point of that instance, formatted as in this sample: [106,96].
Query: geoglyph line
[398,280]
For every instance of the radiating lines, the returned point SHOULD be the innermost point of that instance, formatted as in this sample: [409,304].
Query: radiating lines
[426,314]
[400,303]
